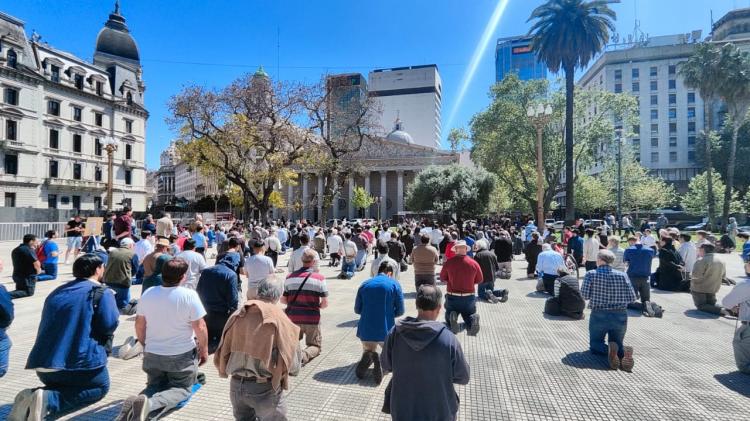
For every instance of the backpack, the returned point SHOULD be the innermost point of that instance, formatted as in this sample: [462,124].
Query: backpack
[40,254]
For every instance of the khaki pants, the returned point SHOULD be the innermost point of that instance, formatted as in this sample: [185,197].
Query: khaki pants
[371,346]
[313,341]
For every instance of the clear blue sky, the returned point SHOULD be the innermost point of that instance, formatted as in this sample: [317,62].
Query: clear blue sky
[211,43]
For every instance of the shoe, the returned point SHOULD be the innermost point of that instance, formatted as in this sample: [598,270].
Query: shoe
[37,406]
[489,296]
[126,411]
[453,322]
[474,329]
[363,364]
[20,405]
[614,360]
[627,360]
[377,371]
[504,297]
[648,309]
[133,351]
[140,408]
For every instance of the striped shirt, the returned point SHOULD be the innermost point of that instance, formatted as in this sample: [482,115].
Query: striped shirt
[305,310]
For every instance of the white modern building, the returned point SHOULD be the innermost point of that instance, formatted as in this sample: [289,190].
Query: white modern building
[191,185]
[57,109]
[412,95]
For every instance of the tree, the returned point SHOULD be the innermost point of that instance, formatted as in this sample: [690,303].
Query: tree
[451,189]
[361,199]
[457,137]
[696,200]
[567,34]
[245,132]
[593,194]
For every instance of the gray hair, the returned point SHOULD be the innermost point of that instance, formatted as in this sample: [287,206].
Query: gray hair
[606,256]
[270,289]
[546,247]
[481,245]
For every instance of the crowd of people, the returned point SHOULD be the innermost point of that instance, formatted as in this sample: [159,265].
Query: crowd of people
[252,319]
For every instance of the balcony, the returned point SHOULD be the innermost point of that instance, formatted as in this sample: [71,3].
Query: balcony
[64,183]
[129,163]
[12,145]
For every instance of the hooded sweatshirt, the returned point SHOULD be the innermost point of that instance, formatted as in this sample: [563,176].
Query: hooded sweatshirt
[217,286]
[426,360]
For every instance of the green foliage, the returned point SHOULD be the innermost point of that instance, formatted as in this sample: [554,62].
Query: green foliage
[695,201]
[457,137]
[361,199]
[592,194]
[451,189]
[640,190]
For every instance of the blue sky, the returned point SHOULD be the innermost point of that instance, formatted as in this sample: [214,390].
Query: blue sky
[211,43]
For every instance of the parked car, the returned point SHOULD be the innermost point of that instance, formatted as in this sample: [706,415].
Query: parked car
[699,226]
[744,228]
[593,223]
[556,225]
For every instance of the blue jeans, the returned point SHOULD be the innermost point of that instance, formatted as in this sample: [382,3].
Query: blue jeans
[122,295]
[25,287]
[4,352]
[66,390]
[347,268]
[361,259]
[465,306]
[138,275]
[610,323]
[50,272]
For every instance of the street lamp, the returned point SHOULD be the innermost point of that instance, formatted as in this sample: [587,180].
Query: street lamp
[110,144]
[618,133]
[539,117]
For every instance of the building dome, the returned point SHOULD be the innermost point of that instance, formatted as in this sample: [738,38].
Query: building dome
[115,40]
[398,134]
[261,73]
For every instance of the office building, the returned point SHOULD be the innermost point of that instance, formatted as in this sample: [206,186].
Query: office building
[514,55]
[412,95]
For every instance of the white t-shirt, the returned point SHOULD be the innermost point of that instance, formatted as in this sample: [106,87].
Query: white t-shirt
[196,264]
[334,244]
[169,312]
[295,260]
[648,240]
[436,236]
[142,249]
[258,268]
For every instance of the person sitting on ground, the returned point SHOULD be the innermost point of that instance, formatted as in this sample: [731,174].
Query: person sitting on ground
[48,255]
[739,299]
[567,300]
[426,360]
[382,248]
[174,346]
[725,245]
[379,301]
[532,251]
[546,265]
[706,279]
[488,262]
[217,289]
[259,350]
[461,273]
[70,350]
[119,272]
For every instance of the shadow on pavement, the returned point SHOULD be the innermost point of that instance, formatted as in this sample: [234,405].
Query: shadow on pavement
[735,381]
[562,318]
[586,360]
[108,411]
[344,375]
[350,323]
[537,294]
[697,314]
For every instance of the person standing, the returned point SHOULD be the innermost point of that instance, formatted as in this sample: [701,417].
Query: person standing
[424,257]
[164,226]
[461,273]
[591,248]
[48,254]
[258,266]
[70,350]
[119,274]
[217,289]
[488,263]
[26,267]
[739,299]
[707,275]
[379,301]
[174,346]
[426,360]
[74,232]
[639,259]
[305,294]
[609,292]
[196,263]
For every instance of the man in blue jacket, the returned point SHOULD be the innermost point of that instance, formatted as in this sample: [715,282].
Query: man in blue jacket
[217,289]
[70,354]
[379,301]
[426,360]
[639,259]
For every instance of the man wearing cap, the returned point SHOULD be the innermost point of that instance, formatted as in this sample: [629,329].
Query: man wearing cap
[118,275]
[461,273]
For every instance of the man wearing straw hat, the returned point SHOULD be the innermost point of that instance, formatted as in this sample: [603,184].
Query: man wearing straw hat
[461,273]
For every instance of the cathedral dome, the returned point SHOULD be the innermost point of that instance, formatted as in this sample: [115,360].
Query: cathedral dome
[399,135]
[115,39]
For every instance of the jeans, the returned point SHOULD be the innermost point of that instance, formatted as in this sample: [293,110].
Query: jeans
[361,259]
[69,389]
[250,400]
[139,273]
[170,378]
[549,283]
[313,341]
[741,345]
[706,302]
[122,295]
[215,321]
[5,345]
[610,323]
[465,306]
[641,287]
[50,272]
[348,268]
[24,286]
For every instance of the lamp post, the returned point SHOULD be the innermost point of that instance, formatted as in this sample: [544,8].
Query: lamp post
[539,117]
[110,144]
[618,133]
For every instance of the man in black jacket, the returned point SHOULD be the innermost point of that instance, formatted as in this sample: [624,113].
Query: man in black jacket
[504,252]
[396,249]
[488,262]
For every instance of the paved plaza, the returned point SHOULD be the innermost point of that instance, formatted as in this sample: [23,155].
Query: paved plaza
[524,365]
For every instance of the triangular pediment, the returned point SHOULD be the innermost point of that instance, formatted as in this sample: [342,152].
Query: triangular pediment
[378,148]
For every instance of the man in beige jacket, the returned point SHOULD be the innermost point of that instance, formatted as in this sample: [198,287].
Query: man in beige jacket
[706,280]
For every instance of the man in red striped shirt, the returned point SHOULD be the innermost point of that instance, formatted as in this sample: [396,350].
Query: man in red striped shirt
[461,273]
[305,293]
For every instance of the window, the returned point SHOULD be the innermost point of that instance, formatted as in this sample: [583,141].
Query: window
[635,73]
[99,88]
[98,174]
[637,129]
[53,107]
[64,200]
[11,164]
[97,147]
[54,73]
[691,140]
[76,171]
[691,112]
[691,127]
[654,142]
[636,87]
[77,143]
[672,69]
[10,200]
[672,99]
[76,202]
[98,119]
[129,98]
[128,177]
[618,88]
[77,114]
[11,96]
[97,202]
[129,126]
[672,128]
[52,201]
[128,151]
[691,156]
[654,114]
[54,139]
[672,84]
[672,142]
[53,169]
[618,74]
[654,100]
[672,113]
[12,59]
[654,156]
[11,129]
[78,81]
[673,156]
[653,71]
[654,128]
[691,97]
[636,143]
[654,85]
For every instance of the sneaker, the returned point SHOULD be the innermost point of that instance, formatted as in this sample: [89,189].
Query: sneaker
[648,309]
[377,371]
[126,411]
[20,405]
[504,297]
[474,329]
[453,322]
[627,360]
[489,296]
[37,406]
[140,408]
[614,360]
[134,350]
[363,364]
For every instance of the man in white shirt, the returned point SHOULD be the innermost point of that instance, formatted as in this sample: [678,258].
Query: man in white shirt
[688,252]
[382,256]
[273,246]
[436,237]
[295,260]
[648,240]
[168,321]
[334,243]
[257,267]
[348,253]
[590,250]
[196,263]
[143,247]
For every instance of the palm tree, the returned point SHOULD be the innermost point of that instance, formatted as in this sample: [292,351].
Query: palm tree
[567,34]
[735,91]
[703,71]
